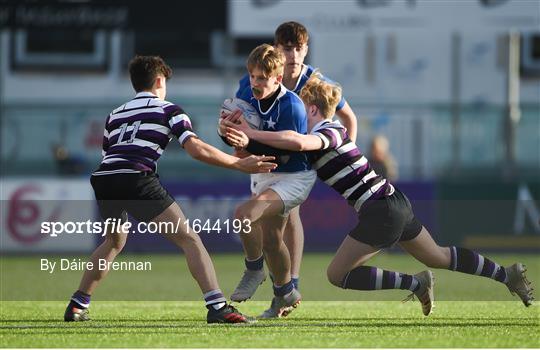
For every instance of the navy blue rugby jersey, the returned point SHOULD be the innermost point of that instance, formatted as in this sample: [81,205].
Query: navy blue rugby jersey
[286,113]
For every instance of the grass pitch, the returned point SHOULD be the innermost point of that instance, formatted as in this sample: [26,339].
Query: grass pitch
[164,310]
[343,324]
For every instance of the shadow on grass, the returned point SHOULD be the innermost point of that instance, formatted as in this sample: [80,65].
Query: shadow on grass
[300,325]
[442,318]
[103,320]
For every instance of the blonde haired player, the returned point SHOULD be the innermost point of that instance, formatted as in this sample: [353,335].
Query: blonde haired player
[277,193]
[385,214]
[291,38]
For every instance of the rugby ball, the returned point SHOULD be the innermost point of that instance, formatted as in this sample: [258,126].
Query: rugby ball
[250,114]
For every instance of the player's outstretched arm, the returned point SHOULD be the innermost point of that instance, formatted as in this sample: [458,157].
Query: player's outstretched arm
[289,140]
[206,153]
[348,119]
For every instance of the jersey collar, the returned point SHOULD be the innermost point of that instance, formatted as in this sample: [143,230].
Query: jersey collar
[282,92]
[302,73]
[319,125]
[144,94]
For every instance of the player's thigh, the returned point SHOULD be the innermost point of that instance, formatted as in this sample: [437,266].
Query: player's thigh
[426,250]
[352,253]
[264,205]
[172,224]
[112,207]
[293,189]
[147,198]
[117,235]
[294,222]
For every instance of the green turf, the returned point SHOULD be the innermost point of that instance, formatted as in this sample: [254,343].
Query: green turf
[328,316]
[170,279]
[313,325]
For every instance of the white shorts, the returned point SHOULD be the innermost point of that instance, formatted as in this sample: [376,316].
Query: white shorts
[292,188]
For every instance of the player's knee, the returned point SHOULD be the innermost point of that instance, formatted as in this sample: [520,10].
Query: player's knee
[243,212]
[116,241]
[183,238]
[334,276]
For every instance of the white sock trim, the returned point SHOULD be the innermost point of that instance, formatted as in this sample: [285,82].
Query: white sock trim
[212,292]
[216,301]
[480,265]
[219,305]
[378,278]
[249,260]
[397,281]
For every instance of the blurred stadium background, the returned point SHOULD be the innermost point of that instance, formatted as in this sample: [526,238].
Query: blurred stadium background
[454,86]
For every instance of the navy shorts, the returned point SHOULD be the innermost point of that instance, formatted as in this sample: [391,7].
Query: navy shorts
[139,194]
[385,221]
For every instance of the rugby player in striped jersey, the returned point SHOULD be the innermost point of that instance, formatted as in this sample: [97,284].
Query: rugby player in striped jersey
[385,214]
[135,136]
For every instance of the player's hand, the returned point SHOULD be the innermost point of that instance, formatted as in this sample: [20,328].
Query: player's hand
[223,114]
[236,138]
[222,127]
[242,126]
[237,120]
[256,164]
[234,116]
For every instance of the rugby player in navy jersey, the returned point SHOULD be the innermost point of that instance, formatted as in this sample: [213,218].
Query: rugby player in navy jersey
[292,39]
[274,194]
[135,136]
[385,214]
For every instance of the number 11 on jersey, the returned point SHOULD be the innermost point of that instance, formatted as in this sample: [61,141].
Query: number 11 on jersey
[123,129]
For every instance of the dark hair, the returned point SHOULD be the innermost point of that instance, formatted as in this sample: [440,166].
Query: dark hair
[291,32]
[143,71]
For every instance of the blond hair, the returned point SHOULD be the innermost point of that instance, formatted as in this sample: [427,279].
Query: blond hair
[268,59]
[322,94]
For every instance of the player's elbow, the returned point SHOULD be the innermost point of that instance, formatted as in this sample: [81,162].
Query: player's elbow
[302,147]
[294,142]
[195,149]
[203,156]
[197,154]
[297,146]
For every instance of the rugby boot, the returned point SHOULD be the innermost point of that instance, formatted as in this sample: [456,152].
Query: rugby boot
[248,285]
[424,292]
[518,283]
